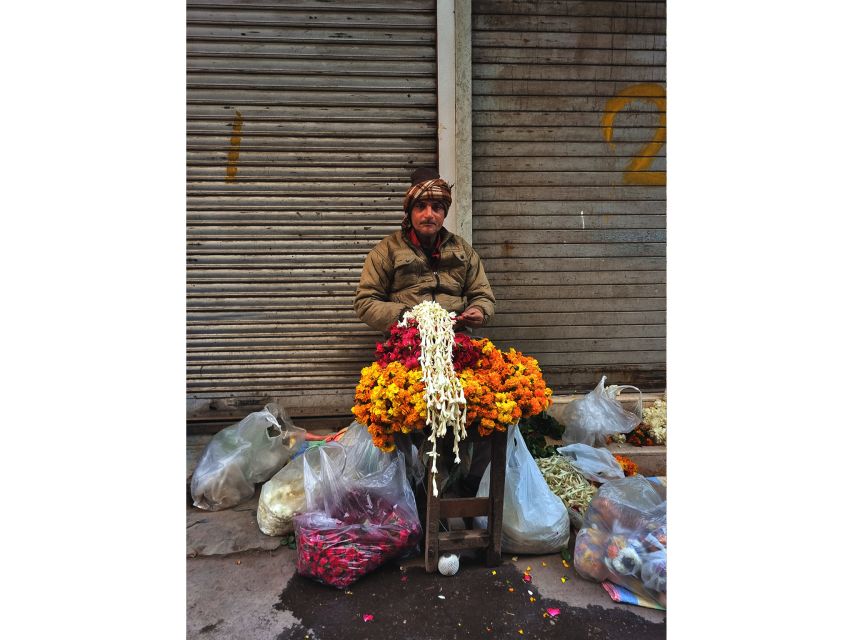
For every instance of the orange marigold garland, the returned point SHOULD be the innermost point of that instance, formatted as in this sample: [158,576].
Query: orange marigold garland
[500,387]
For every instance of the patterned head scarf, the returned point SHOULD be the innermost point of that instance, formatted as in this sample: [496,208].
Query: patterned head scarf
[426,185]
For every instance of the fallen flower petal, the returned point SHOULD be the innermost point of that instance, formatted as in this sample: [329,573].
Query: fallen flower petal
[494,573]
[563,579]
[442,597]
[553,611]
[526,577]
[367,617]
[532,599]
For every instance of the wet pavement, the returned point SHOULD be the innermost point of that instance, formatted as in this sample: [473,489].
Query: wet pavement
[241,585]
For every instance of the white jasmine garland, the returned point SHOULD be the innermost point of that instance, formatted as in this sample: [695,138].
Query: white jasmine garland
[445,400]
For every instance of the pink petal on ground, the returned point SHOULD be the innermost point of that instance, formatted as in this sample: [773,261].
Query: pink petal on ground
[367,617]
[553,612]
[526,577]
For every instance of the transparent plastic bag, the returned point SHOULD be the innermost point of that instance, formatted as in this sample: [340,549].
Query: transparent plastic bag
[623,538]
[597,465]
[282,498]
[591,419]
[242,455]
[360,512]
[534,519]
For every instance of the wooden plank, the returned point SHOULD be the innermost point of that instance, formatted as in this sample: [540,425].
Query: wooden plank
[573,278]
[563,119]
[562,134]
[539,207]
[555,104]
[565,72]
[497,477]
[626,149]
[566,236]
[501,225]
[463,507]
[609,359]
[561,55]
[628,192]
[576,250]
[547,40]
[518,8]
[462,539]
[581,379]
[559,265]
[549,305]
[568,24]
[520,89]
[596,290]
[564,347]
[569,333]
[523,320]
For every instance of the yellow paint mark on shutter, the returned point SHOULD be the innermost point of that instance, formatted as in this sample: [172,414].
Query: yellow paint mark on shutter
[234,151]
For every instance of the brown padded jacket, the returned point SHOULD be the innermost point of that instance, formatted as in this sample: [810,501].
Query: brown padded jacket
[397,276]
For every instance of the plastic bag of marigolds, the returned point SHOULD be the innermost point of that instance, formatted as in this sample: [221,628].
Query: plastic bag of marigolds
[354,523]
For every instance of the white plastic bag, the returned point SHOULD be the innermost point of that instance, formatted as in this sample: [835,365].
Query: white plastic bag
[244,454]
[534,519]
[597,465]
[591,419]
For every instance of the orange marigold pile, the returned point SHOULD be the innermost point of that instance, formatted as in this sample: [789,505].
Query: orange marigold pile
[500,388]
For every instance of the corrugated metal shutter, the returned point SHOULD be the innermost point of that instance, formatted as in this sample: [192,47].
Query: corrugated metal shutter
[304,120]
[572,227]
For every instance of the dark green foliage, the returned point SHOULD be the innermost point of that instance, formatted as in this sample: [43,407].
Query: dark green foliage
[535,428]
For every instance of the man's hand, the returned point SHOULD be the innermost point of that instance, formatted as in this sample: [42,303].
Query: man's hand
[471,317]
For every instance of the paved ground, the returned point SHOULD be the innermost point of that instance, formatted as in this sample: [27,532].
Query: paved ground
[243,584]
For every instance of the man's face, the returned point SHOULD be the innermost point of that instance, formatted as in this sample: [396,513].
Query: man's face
[427,217]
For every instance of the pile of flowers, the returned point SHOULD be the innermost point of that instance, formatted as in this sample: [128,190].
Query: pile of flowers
[651,431]
[367,531]
[629,467]
[500,387]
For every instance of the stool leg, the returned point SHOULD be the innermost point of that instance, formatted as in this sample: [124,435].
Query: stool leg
[432,516]
[496,497]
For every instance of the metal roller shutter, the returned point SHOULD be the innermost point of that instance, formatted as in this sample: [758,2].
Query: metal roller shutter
[304,120]
[568,174]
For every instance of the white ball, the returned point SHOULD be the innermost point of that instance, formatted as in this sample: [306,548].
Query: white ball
[448,564]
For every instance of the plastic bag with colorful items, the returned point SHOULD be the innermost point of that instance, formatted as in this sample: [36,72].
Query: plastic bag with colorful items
[359,515]
[623,538]
[242,455]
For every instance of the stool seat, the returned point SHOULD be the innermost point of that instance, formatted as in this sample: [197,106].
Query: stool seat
[438,543]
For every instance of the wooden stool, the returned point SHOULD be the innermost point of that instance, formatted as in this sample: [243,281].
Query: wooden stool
[439,542]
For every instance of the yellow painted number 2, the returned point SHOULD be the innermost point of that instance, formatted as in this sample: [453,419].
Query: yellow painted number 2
[637,170]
